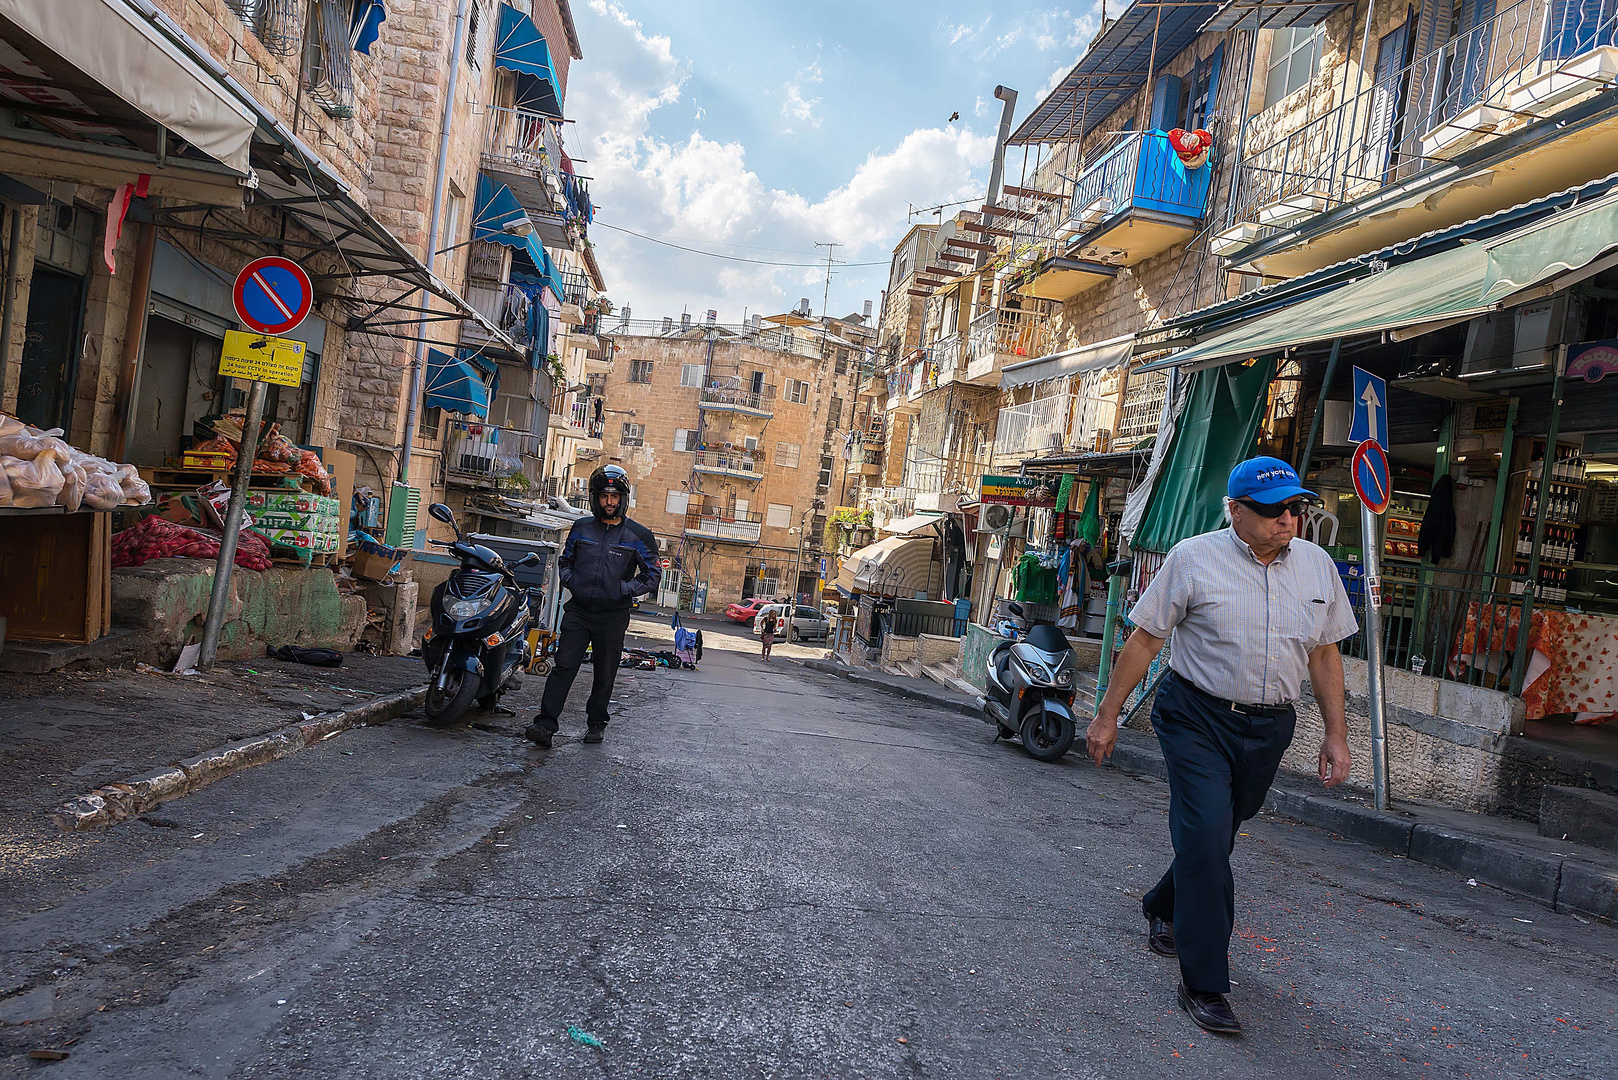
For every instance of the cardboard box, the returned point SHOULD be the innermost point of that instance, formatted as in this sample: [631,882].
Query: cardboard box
[212,460]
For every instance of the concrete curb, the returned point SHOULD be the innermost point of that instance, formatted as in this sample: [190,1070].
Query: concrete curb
[853,675]
[129,798]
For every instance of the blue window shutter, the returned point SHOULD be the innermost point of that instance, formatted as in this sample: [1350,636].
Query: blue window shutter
[1214,62]
[1166,103]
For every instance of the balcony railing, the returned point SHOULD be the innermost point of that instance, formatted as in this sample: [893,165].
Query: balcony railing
[947,354]
[506,306]
[1522,63]
[779,339]
[1142,172]
[578,289]
[727,397]
[1007,335]
[486,453]
[523,140]
[579,412]
[731,461]
[716,524]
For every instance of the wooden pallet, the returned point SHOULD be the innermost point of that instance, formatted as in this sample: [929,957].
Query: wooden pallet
[191,479]
[319,560]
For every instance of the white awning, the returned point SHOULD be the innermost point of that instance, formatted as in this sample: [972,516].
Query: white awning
[897,566]
[1095,357]
[913,523]
[111,42]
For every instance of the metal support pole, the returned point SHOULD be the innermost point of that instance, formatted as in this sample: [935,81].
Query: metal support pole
[1320,408]
[1525,627]
[233,524]
[1109,631]
[1501,483]
[1370,543]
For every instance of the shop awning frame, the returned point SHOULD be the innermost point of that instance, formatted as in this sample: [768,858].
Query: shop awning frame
[1097,356]
[1451,286]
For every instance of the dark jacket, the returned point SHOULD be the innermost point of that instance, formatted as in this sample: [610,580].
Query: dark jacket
[607,566]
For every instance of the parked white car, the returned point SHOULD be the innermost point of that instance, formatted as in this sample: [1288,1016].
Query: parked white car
[807,623]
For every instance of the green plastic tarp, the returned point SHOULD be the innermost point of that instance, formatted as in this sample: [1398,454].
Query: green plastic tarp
[1216,429]
[1452,285]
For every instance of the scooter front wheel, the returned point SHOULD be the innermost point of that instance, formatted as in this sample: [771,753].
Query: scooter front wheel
[1047,735]
[444,707]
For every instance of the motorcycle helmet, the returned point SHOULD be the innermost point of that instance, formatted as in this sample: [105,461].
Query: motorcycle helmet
[608,478]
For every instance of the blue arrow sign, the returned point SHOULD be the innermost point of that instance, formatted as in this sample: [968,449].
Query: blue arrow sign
[1370,409]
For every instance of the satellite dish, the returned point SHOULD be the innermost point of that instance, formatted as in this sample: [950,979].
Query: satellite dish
[996,516]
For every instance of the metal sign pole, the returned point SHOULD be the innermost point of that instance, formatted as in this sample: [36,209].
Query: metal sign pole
[233,524]
[1373,656]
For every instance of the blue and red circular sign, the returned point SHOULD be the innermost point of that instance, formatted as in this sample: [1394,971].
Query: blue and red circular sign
[273,295]
[1371,480]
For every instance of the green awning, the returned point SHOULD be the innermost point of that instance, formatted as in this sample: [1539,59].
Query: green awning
[1452,285]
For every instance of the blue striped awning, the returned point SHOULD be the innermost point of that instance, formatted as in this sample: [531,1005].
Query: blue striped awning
[456,385]
[521,48]
[366,25]
[496,206]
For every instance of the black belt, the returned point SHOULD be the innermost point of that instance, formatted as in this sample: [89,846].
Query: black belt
[1262,712]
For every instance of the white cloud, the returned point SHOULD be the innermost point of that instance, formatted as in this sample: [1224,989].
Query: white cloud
[700,192]
[797,109]
[959,32]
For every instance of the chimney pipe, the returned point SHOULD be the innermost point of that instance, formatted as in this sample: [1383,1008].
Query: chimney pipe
[997,170]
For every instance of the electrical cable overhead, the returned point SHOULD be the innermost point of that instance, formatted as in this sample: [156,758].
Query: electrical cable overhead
[729,258]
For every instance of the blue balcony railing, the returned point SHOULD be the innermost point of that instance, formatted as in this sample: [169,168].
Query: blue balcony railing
[1141,173]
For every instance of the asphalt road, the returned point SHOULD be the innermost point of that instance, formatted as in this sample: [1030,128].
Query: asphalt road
[762,873]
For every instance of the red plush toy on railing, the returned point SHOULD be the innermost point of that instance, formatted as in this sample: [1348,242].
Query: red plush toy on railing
[1191,146]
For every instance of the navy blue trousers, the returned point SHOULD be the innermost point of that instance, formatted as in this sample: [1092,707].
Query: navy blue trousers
[1220,766]
[601,632]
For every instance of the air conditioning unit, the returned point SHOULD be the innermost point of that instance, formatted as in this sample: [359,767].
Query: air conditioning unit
[662,544]
[1525,338]
[751,442]
[997,516]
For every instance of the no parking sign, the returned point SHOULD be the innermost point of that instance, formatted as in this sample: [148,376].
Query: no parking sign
[273,295]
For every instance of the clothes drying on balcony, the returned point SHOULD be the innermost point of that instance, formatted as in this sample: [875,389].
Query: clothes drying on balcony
[366,25]
[1098,356]
[455,383]
[521,48]
[1437,290]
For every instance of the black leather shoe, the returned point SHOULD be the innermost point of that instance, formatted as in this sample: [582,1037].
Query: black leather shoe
[1160,936]
[538,735]
[595,734]
[1211,1011]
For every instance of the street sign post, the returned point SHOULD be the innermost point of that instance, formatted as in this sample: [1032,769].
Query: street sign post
[1370,409]
[1375,488]
[272,296]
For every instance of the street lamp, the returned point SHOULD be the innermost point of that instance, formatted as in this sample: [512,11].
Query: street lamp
[516,227]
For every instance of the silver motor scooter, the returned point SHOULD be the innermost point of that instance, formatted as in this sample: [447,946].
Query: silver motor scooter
[1030,679]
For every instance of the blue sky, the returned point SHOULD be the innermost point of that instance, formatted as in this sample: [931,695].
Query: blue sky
[756,130]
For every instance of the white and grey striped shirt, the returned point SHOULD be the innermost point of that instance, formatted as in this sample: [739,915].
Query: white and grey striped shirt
[1243,630]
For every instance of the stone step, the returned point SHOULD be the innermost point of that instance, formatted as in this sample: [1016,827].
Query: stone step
[944,676]
[1579,815]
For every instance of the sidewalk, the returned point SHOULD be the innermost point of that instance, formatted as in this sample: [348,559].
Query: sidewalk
[1496,851]
[68,733]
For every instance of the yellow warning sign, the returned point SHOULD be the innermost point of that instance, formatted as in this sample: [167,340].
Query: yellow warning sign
[267,359]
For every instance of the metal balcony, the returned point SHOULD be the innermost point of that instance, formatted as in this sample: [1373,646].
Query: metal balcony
[577,416]
[948,352]
[506,306]
[736,400]
[1451,110]
[521,150]
[724,525]
[1005,336]
[480,455]
[736,464]
[1138,200]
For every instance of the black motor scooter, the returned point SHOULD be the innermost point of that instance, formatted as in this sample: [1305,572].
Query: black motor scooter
[477,646]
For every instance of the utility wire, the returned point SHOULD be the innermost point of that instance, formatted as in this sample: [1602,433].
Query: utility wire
[728,258]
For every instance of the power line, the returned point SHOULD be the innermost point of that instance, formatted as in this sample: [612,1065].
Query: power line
[728,258]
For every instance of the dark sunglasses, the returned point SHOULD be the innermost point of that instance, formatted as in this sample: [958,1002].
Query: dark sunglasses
[1295,507]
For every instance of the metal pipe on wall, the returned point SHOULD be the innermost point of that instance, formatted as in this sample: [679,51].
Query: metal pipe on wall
[417,362]
[9,306]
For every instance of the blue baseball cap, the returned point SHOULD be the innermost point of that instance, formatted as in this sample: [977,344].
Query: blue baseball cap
[1266,480]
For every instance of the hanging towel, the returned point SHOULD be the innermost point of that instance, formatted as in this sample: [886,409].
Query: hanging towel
[1090,521]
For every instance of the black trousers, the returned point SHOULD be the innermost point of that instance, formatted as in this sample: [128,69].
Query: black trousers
[1220,766]
[603,633]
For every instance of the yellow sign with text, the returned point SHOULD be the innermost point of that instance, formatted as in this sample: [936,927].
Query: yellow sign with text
[267,359]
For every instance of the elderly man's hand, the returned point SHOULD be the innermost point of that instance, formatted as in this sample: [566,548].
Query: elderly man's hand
[1101,736]
[1334,762]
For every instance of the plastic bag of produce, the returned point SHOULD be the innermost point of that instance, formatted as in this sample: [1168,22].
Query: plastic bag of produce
[5,485]
[74,481]
[103,492]
[35,482]
[309,465]
[27,442]
[136,490]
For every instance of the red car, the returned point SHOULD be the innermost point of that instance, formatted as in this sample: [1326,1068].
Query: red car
[746,611]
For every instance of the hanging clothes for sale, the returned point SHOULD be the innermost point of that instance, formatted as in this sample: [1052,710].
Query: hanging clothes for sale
[1034,582]
[1089,529]
[954,558]
[1075,582]
[1436,540]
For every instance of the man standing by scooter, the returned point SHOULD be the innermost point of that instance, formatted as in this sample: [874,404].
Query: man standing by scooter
[607,562]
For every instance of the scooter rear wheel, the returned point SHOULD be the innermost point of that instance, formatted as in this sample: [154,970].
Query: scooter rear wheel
[444,707]
[1047,735]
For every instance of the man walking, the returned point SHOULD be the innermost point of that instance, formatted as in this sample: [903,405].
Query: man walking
[1253,609]
[607,562]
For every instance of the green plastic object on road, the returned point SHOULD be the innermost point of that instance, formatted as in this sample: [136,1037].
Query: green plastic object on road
[584,1038]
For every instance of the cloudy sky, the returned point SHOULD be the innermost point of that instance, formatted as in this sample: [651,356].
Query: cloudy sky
[757,129]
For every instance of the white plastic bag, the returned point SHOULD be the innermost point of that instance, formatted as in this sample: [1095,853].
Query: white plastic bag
[35,483]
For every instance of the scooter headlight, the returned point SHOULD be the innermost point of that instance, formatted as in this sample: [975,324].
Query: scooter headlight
[464,609]
[1064,678]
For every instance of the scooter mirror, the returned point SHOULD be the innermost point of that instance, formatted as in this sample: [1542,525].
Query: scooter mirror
[530,559]
[442,513]
[1015,609]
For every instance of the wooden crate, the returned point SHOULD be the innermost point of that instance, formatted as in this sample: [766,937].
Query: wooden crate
[56,576]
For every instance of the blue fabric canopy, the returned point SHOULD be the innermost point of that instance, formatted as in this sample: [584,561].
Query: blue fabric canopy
[522,48]
[366,24]
[536,272]
[456,385]
[496,206]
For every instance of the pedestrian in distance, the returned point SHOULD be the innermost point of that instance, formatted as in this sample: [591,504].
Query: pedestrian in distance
[766,632]
[607,562]
[1253,610]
